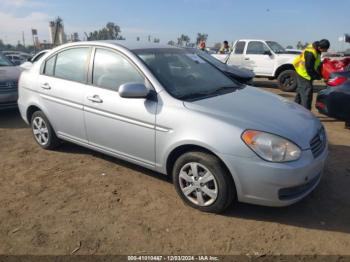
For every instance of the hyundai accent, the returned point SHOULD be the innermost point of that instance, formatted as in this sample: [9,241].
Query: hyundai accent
[168,110]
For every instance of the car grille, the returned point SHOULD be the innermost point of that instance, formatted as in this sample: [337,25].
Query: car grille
[318,143]
[8,86]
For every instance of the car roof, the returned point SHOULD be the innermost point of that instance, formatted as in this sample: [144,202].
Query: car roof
[131,45]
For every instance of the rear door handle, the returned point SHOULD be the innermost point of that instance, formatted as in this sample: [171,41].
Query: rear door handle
[45,86]
[95,99]
[247,58]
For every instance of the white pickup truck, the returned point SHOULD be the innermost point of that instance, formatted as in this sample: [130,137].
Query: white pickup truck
[265,58]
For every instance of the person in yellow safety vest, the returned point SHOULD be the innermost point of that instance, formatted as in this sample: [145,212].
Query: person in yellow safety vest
[308,65]
[225,49]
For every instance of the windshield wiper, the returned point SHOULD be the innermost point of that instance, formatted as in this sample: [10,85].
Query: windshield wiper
[193,96]
[220,90]
[223,89]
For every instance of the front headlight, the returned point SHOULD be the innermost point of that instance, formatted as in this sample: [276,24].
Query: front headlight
[271,147]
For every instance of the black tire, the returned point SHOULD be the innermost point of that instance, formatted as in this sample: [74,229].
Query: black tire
[226,191]
[287,80]
[52,140]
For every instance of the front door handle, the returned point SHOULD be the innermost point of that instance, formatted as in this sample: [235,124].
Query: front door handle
[46,86]
[95,99]
[247,58]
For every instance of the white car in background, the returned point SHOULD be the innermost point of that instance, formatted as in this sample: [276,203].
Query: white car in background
[265,58]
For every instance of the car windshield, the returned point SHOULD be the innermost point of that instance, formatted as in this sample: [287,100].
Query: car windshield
[4,61]
[210,58]
[276,47]
[185,75]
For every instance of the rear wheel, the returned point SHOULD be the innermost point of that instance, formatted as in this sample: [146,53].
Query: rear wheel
[203,182]
[43,132]
[287,80]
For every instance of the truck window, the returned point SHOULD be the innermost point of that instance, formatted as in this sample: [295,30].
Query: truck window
[256,48]
[239,48]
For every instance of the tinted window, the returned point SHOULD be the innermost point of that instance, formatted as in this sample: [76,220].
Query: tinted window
[71,64]
[112,70]
[256,48]
[49,66]
[239,48]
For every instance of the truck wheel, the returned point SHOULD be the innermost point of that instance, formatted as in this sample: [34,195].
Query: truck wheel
[287,80]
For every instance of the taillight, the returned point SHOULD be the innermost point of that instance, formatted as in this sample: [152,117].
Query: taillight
[336,81]
[320,105]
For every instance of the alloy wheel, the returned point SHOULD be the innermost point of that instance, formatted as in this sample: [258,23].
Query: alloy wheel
[198,184]
[40,130]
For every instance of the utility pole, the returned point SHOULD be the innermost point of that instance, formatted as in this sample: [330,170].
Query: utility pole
[34,33]
[24,42]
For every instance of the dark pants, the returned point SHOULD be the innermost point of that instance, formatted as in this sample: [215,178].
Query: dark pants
[304,92]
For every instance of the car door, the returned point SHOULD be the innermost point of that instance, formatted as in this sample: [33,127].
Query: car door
[122,126]
[62,85]
[258,59]
[236,57]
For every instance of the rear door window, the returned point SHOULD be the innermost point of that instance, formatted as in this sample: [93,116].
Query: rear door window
[71,64]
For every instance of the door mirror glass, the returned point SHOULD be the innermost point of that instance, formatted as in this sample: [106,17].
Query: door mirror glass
[133,90]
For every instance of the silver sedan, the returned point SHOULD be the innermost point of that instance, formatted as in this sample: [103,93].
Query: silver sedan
[168,110]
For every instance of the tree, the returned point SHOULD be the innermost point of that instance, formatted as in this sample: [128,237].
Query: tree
[300,45]
[201,37]
[2,45]
[183,40]
[289,47]
[156,40]
[171,42]
[110,32]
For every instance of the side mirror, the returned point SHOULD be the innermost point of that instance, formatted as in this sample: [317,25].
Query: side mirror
[133,90]
[268,52]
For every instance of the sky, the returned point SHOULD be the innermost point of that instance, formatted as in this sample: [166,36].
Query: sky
[284,21]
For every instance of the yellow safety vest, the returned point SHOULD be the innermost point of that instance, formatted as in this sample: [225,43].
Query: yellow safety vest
[299,62]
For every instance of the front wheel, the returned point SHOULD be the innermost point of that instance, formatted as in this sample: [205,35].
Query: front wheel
[203,182]
[287,80]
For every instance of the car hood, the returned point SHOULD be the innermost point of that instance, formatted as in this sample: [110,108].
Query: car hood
[251,108]
[9,73]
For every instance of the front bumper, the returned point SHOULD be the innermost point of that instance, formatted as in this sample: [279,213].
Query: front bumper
[275,184]
[8,100]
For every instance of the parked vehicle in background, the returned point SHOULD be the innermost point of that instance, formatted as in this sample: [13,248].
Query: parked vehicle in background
[241,75]
[169,110]
[334,101]
[28,64]
[265,59]
[9,74]
[16,59]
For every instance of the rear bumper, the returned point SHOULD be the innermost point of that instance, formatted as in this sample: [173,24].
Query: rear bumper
[8,100]
[275,184]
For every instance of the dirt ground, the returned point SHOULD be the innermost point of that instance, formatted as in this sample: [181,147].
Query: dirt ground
[74,199]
